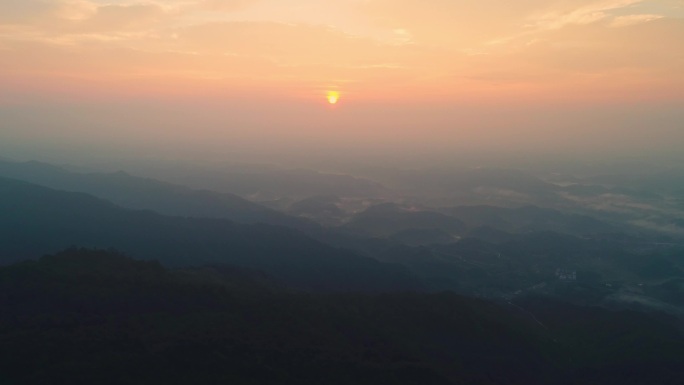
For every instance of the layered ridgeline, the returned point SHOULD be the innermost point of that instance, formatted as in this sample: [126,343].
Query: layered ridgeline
[87,317]
[149,194]
[390,219]
[36,220]
[393,220]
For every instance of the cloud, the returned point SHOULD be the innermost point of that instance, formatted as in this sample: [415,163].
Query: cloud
[224,5]
[622,21]
[118,18]
[74,17]
[654,45]
[487,25]
[439,48]
[458,24]
[578,14]
[287,44]
[24,11]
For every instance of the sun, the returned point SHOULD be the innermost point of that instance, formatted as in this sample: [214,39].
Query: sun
[333,97]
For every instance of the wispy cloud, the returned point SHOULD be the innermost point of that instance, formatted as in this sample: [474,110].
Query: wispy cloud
[586,14]
[435,45]
[622,21]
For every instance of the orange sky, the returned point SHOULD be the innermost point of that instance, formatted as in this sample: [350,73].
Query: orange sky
[380,55]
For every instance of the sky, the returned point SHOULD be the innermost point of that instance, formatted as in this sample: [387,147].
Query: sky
[416,79]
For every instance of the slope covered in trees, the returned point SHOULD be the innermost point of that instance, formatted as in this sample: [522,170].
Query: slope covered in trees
[84,316]
[38,220]
[140,193]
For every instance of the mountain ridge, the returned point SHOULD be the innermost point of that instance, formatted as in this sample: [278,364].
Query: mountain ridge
[38,220]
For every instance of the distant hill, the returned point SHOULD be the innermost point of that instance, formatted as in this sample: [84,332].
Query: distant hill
[668,181]
[36,220]
[478,184]
[387,219]
[529,219]
[321,208]
[490,234]
[419,237]
[148,194]
[272,183]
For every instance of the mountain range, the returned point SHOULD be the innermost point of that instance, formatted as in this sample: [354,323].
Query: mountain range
[37,220]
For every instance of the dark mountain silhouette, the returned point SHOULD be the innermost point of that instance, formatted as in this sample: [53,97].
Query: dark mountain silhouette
[36,220]
[87,316]
[609,270]
[148,194]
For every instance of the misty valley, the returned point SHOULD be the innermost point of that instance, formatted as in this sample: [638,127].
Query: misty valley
[348,192]
[171,273]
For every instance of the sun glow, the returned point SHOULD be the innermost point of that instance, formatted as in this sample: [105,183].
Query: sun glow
[333,97]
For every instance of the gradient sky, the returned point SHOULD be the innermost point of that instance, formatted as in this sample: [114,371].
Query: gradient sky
[221,76]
